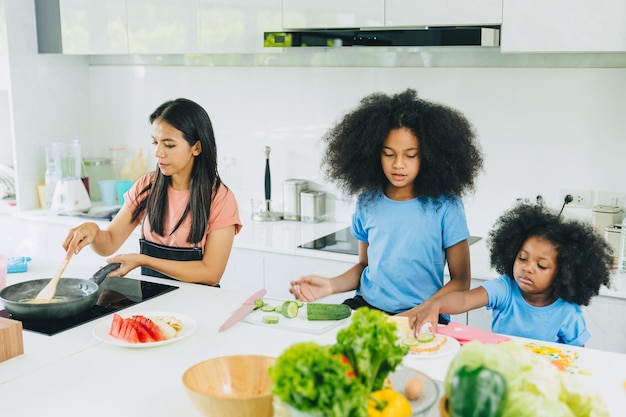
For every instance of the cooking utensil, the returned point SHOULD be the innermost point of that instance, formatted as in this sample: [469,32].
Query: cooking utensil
[267,214]
[47,294]
[242,311]
[74,296]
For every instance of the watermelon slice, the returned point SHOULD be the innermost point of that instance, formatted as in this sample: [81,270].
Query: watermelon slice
[135,329]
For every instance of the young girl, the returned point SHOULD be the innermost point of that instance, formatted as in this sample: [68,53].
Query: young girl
[409,161]
[551,266]
[188,217]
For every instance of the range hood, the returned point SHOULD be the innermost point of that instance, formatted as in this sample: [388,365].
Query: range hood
[428,36]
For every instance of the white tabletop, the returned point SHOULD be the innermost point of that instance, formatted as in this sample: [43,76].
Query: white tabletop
[74,374]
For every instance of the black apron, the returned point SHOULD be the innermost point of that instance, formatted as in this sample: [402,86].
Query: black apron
[171,253]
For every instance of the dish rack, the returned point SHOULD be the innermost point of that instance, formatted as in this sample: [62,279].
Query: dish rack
[7,182]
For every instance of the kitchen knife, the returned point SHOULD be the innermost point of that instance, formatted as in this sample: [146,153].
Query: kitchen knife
[242,311]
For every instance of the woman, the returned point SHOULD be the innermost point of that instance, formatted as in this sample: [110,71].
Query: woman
[188,217]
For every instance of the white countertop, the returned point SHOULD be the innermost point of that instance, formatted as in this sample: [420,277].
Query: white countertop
[74,374]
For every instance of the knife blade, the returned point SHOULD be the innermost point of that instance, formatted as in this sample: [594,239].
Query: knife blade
[242,311]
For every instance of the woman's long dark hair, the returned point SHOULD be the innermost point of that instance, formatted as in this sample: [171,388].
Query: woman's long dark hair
[194,123]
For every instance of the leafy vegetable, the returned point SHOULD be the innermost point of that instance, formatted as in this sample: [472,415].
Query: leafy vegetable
[536,388]
[310,377]
[369,343]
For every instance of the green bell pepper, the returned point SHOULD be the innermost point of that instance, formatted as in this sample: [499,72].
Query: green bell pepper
[477,392]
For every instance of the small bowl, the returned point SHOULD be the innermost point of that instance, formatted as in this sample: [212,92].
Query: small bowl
[234,386]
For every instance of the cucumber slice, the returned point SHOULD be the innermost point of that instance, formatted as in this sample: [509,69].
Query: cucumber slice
[426,337]
[289,309]
[300,303]
[258,303]
[409,341]
[268,308]
[270,319]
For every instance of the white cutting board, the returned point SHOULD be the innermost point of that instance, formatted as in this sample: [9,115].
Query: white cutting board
[296,324]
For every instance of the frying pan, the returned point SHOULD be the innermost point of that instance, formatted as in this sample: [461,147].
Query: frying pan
[76,295]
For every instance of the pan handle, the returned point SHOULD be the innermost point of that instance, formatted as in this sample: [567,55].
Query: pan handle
[99,276]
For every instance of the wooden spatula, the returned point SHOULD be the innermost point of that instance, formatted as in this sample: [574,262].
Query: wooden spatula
[48,292]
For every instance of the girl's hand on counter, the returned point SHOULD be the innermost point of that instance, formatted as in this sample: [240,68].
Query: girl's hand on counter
[310,288]
[425,313]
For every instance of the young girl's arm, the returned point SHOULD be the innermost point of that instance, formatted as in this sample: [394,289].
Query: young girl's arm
[459,266]
[313,287]
[455,302]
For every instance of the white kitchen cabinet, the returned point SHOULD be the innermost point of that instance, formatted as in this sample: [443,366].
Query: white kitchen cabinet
[280,270]
[162,26]
[325,14]
[93,27]
[236,26]
[563,26]
[418,13]
[606,321]
[244,270]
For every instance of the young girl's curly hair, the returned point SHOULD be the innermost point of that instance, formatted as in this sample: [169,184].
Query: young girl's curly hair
[450,157]
[583,257]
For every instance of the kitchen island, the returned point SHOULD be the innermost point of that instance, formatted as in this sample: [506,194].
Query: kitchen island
[74,374]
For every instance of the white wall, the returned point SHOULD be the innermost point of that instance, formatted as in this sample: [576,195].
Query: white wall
[541,129]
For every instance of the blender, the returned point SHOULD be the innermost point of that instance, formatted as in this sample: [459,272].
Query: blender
[70,194]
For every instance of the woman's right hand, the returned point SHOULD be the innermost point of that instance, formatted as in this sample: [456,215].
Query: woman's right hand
[310,288]
[80,236]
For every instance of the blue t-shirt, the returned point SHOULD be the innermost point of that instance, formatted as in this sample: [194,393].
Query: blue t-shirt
[407,242]
[560,322]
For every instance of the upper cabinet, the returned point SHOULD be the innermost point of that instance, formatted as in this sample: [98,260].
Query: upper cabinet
[564,26]
[236,26]
[443,12]
[91,27]
[162,26]
[82,27]
[328,14]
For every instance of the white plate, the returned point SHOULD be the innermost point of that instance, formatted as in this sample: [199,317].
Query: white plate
[430,393]
[448,348]
[101,330]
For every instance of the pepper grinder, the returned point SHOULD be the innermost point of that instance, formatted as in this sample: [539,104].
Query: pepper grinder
[266,214]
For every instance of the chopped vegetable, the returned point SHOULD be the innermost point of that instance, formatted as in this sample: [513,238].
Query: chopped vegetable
[388,403]
[270,319]
[289,309]
[258,303]
[477,392]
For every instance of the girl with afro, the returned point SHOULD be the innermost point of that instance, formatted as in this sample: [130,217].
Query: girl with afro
[409,161]
[550,268]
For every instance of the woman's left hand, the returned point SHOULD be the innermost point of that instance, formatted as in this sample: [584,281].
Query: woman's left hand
[127,262]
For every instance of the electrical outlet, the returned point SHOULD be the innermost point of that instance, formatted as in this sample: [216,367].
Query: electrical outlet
[582,198]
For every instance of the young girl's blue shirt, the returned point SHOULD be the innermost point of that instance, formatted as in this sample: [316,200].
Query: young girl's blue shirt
[560,322]
[407,242]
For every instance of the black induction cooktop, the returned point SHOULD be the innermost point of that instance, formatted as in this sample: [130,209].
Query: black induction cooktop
[115,294]
[342,241]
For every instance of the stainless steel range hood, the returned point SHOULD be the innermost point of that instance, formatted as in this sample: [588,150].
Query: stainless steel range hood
[429,36]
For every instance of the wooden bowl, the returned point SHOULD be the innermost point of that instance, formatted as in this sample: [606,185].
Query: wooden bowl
[233,386]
